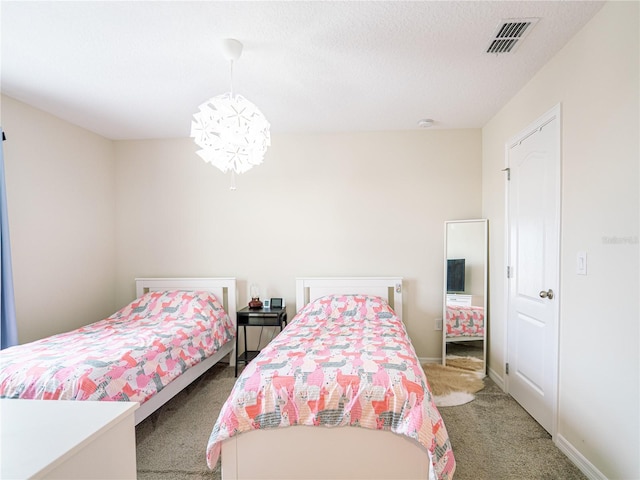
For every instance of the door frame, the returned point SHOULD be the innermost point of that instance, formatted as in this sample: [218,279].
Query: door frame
[554,112]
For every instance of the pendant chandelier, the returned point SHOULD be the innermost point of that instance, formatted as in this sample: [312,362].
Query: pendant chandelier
[233,135]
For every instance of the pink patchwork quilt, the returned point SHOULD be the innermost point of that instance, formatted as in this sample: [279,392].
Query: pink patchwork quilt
[465,321]
[342,361]
[129,356]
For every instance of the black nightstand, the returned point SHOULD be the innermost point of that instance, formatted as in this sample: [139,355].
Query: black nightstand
[257,317]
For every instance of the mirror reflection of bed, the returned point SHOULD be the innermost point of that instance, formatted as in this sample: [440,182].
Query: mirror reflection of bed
[465,294]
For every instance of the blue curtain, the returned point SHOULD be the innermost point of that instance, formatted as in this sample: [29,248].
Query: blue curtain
[9,333]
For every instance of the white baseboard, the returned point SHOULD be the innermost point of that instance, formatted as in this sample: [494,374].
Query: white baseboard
[497,379]
[578,459]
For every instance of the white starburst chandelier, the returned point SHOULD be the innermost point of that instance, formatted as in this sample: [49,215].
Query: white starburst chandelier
[230,130]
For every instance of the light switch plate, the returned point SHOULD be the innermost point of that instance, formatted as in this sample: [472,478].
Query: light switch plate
[581,263]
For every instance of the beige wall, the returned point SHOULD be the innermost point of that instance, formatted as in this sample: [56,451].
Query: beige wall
[595,79]
[88,215]
[334,204]
[60,193]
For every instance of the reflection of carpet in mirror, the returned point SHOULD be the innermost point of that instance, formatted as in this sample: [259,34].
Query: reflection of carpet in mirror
[455,383]
[466,349]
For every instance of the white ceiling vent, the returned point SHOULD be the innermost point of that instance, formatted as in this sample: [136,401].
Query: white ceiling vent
[510,33]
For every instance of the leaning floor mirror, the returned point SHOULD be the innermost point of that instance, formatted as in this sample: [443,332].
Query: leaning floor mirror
[465,316]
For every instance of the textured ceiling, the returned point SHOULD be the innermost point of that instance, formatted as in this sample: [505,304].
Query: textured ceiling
[130,70]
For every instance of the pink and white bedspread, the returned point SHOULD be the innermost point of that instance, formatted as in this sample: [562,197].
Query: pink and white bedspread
[127,357]
[465,321]
[342,361]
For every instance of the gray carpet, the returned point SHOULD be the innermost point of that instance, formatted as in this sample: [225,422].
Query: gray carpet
[171,443]
[493,438]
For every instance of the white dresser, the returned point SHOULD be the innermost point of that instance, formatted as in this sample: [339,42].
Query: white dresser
[58,439]
[464,300]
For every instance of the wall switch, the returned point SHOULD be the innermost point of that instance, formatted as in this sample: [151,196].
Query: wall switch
[581,263]
[438,325]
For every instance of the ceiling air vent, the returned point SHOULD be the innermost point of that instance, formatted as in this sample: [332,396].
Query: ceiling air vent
[509,34]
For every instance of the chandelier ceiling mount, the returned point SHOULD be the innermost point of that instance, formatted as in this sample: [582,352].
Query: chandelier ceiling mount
[231,49]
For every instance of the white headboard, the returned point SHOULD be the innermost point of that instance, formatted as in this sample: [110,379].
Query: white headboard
[309,289]
[223,288]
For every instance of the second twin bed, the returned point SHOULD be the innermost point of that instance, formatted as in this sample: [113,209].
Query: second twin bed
[340,393]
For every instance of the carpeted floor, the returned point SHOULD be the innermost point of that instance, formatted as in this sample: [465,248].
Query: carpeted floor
[171,443]
[493,438]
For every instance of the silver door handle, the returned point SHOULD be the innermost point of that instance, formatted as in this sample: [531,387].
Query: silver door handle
[548,294]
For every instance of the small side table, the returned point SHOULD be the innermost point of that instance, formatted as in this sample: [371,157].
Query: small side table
[257,317]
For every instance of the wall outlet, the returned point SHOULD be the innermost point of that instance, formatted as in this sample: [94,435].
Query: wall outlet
[438,324]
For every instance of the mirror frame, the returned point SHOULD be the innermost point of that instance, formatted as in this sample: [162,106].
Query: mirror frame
[485,289]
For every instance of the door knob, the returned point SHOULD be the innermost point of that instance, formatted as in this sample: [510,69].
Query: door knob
[548,294]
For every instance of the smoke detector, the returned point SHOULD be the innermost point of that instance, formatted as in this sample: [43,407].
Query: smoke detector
[509,34]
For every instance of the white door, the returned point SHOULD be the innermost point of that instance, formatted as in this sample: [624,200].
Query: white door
[533,258]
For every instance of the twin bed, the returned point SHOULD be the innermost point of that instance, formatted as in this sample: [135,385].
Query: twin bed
[146,352]
[343,377]
[464,321]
